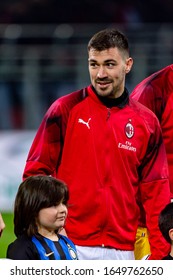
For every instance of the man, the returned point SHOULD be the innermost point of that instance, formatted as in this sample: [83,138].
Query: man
[109,150]
[156,92]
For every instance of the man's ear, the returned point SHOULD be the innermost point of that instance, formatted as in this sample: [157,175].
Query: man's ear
[129,63]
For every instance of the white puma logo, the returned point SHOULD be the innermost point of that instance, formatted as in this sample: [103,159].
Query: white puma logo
[86,123]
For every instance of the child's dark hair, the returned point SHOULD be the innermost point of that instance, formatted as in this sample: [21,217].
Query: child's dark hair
[166,221]
[35,193]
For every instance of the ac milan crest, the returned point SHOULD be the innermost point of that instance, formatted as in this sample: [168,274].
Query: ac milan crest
[129,130]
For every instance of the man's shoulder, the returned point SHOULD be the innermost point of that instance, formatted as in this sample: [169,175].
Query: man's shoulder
[74,96]
[140,108]
[69,100]
[154,84]
[143,113]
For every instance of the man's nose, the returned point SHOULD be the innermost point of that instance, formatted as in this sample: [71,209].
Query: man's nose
[101,72]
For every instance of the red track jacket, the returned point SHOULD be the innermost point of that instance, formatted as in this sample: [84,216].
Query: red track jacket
[107,157]
[156,92]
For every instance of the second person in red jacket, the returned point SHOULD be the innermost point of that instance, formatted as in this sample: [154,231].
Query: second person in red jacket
[156,93]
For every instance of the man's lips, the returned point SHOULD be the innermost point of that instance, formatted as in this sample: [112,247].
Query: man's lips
[103,81]
[103,84]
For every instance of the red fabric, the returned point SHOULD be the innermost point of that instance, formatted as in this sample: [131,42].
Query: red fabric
[156,92]
[86,144]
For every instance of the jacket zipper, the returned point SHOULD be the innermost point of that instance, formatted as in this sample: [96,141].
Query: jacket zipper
[108,114]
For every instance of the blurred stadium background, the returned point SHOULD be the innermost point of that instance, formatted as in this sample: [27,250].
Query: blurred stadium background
[43,55]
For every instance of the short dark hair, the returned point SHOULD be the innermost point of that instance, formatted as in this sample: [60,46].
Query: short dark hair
[166,221]
[35,193]
[109,38]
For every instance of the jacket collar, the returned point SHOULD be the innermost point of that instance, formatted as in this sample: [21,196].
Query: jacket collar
[119,102]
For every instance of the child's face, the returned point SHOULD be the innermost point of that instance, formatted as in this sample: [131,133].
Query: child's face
[52,218]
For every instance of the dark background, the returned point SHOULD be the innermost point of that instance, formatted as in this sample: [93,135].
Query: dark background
[85,11]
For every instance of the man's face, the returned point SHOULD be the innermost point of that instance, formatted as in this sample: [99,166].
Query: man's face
[107,71]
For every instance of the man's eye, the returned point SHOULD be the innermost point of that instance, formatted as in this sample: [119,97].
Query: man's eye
[110,64]
[93,64]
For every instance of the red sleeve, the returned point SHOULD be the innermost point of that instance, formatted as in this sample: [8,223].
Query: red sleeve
[45,152]
[151,95]
[167,130]
[155,191]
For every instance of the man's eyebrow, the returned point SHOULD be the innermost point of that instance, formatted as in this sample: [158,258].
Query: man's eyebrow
[105,61]
[91,59]
[110,60]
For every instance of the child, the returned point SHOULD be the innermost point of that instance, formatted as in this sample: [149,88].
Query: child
[166,227]
[40,212]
